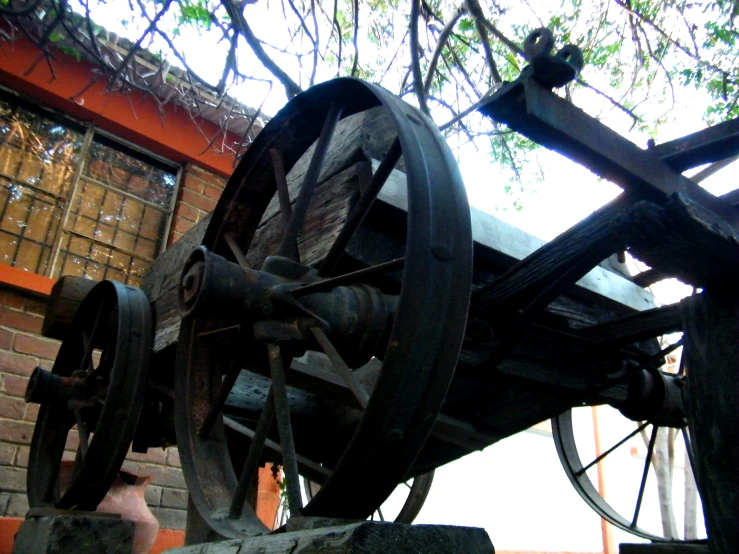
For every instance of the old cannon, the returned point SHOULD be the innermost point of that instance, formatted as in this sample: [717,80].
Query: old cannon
[344,313]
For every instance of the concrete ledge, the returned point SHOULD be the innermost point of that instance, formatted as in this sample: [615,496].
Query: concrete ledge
[367,537]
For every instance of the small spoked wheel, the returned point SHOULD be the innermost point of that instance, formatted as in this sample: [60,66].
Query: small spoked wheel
[95,391]
[276,303]
[655,496]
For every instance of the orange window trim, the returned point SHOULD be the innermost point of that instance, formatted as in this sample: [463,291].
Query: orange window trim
[25,280]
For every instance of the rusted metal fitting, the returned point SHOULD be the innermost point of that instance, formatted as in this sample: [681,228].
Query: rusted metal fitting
[550,70]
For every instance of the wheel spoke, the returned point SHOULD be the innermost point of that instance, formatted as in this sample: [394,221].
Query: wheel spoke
[350,278]
[689,449]
[283,194]
[611,449]
[221,396]
[88,342]
[289,244]
[83,433]
[340,365]
[282,411]
[361,208]
[251,464]
[668,349]
[236,250]
[318,472]
[645,473]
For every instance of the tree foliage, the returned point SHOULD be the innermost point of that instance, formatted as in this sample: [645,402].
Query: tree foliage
[442,55]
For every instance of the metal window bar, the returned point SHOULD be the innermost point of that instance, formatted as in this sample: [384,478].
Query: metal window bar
[67,202]
[80,179]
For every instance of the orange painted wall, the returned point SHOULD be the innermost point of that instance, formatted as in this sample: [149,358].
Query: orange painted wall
[166,539]
[134,116]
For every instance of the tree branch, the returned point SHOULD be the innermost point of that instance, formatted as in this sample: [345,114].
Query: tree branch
[440,44]
[239,21]
[418,87]
[478,18]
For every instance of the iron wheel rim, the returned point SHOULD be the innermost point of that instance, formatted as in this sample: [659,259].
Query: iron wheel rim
[438,264]
[120,411]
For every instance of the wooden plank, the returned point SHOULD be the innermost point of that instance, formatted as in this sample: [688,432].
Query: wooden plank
[685,240]
[711,324]
[510,244]
[639,326]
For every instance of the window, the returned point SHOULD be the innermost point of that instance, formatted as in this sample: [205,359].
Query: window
[74,201]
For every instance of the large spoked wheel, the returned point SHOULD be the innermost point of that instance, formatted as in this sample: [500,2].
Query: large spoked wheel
[634,500]
[418,348]
[101,400]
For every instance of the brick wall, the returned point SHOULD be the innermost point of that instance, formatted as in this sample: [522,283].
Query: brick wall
[22,349]
[198,195]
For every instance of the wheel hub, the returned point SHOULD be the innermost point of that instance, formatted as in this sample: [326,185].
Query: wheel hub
[358,317]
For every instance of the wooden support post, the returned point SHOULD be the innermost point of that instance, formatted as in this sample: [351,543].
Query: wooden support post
[711,328]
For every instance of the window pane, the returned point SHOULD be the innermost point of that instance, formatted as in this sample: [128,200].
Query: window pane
[37,151]
[130,175]
[85,258]
[109,217]
[29,221]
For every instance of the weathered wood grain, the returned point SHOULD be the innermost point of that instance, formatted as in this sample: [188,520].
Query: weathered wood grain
[711,322]
[684,240]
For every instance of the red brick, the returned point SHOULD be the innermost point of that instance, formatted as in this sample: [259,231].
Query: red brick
[36,346]
[21,458]
[174,237]
[163,476]
[12,300]
[6,339]
[182,225]
[206,176]
[186,212]
[192,183]
[153,456]
[18,505]
[198,201]
[13,479]
[35,307]
[19,432]
[173,457]
[13,385]
[7,454]
[19,364]
[12,408]
[31,412]
[212,192]
[20,321]
[174,498]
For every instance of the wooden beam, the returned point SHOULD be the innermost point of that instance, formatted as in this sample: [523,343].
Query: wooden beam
[711,324]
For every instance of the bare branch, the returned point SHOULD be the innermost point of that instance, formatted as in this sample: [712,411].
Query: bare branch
[478,18]
[415,61]
[355,63]
[239,22]
[441,43]
[616,103]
